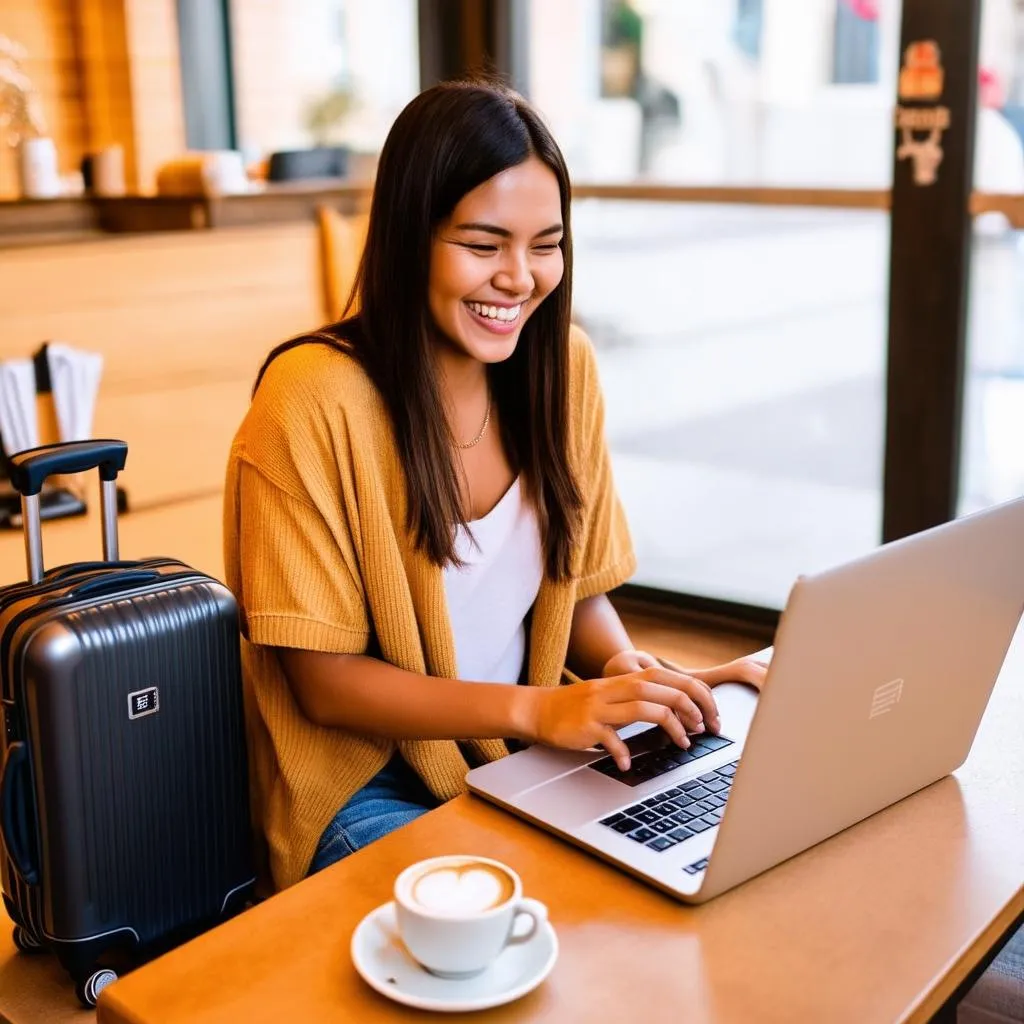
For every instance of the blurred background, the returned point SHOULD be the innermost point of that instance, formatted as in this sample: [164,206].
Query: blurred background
[733,163]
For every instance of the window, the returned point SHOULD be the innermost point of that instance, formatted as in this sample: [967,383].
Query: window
[205,74]
[736,92]
[747,29]
[321,72]
[742,357]
[741,348]
[992,456]
[855,50]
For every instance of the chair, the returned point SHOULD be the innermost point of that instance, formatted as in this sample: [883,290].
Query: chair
[342,238]
[998,995]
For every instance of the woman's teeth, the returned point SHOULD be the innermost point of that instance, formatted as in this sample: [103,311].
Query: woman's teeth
[503,313]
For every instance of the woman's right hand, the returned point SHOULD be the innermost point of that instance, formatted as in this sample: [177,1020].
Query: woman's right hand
[585,714]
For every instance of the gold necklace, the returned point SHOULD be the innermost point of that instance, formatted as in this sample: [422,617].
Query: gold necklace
[483,429]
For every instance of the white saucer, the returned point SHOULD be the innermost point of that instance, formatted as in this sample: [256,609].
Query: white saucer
[384,964]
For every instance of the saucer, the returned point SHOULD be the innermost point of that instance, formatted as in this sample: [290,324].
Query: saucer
[380,957]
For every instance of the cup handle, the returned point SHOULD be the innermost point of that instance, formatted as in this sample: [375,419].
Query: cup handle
[536,912]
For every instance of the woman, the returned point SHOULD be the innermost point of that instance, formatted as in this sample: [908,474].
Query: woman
[420,508]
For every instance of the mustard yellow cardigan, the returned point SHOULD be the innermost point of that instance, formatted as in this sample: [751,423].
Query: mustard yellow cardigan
[319,557]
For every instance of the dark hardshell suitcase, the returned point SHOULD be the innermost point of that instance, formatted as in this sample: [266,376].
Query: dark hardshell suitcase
[123,793]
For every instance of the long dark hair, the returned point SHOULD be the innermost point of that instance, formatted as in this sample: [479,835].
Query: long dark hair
[447,141]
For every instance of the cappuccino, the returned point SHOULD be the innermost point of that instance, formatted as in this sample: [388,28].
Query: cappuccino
[457,913]
[458,888]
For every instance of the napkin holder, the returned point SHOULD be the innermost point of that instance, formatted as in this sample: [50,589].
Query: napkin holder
[55,500]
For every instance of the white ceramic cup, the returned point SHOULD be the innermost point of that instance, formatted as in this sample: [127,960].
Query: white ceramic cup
[37,168]
[224,173]
[108,171]
[460,944]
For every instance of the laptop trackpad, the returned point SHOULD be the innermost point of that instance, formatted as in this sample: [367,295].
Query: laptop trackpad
[578,796]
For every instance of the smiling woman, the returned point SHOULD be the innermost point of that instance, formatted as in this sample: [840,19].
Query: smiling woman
[494,258]
[420,509]
[492,264]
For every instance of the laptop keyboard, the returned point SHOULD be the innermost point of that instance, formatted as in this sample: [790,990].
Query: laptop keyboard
[678,813]
[654,753]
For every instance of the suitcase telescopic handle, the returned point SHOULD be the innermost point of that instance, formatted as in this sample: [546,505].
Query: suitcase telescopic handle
[15,811]
[29,470]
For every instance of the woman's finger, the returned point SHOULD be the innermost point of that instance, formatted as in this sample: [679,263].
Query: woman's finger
[699,695]
[754,673]
[742,670]
[629,712]
[714,723]
[675,697]
[616,747]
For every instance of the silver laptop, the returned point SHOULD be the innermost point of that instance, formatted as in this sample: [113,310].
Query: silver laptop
[880,674]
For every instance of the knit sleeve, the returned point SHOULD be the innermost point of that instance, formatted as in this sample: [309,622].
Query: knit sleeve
[291,547]
[608,559]
[298,586]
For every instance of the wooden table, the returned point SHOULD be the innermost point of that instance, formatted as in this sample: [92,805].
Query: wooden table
[879,924]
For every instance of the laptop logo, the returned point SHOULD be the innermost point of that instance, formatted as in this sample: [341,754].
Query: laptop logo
[885,698]
[143,702]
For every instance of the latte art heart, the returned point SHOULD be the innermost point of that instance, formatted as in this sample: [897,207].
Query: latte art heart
[461,890]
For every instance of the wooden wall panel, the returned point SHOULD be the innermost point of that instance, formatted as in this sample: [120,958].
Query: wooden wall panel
[35,989]
[178,437]
[107,71]
[107,80]
[165,308]
[183,321]
[46,28]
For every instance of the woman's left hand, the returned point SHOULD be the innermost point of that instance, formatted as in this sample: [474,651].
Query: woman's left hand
[740,670]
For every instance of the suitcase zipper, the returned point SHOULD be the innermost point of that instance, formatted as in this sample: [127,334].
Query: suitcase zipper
[60,583]
[62,573]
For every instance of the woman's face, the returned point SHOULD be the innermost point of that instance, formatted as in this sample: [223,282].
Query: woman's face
[495,259]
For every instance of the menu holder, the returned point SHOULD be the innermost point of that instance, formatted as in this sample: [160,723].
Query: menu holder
[56,501]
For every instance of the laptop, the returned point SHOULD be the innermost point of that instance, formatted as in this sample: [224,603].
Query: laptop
[879,676]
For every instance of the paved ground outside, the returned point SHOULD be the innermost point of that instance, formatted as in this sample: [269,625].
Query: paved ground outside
[742,354]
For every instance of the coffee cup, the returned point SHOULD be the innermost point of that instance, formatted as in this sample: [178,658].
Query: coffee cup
[108,172]
[457,913]
[37,169]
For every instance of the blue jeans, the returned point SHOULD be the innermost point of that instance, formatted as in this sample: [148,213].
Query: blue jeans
[393,797]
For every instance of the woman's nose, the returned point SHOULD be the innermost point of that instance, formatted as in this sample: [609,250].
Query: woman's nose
[515,275]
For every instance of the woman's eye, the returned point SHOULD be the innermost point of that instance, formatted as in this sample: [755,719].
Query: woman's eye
[547,247]
[479,247]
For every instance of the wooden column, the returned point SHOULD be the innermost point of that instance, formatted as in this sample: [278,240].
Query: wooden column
[131,82]
[930,261]
[46,29]
[151,31]
[460,37]
[105,71]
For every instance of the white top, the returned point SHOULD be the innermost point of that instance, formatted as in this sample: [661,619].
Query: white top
[489,597]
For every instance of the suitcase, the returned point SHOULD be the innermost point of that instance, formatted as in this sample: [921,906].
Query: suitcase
[124,790]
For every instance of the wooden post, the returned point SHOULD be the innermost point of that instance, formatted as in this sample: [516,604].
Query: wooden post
[459,37]
[131,82]
[930,260]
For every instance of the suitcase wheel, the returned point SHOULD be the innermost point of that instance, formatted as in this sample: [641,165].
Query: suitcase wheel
[88,991]
[26,942]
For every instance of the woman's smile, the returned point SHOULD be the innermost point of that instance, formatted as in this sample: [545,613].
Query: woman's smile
[501,319]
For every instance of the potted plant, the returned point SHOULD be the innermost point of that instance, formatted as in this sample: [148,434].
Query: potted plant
[326,158]
[21,121]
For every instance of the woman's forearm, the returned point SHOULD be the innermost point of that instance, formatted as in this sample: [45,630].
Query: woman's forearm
[369,696]
[597,635]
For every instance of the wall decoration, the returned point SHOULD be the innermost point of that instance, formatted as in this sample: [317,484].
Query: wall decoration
[920,119]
